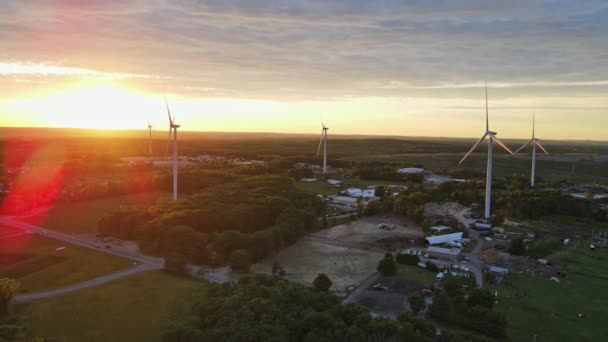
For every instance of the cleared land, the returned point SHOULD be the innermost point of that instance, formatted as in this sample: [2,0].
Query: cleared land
[526,299]
[131,309]
[34,261]
[347,253]
[83,217]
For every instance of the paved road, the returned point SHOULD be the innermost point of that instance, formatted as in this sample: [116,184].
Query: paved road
[87,284]
[144,262]
[75,240]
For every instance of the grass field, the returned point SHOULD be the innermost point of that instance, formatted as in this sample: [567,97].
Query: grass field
[564,225]
[415,273]
[537,306]
[553,170]
[37,265]
[131,309]
[83,217]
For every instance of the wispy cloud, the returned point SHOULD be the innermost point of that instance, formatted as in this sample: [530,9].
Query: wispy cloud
[546,84]
[33,69]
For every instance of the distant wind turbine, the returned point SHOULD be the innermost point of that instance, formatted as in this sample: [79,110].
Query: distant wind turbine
[323,142]
[492,139]
[149,138]
[535,143]
[172,127]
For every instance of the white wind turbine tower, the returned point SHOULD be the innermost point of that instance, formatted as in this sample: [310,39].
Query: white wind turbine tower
[172,127]
[323,142]
[149,138]
[535,143]
[492,139]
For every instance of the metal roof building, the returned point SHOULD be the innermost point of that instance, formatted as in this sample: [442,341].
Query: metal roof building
[447,238]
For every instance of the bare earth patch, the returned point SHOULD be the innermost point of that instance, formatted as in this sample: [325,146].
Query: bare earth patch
[348,254]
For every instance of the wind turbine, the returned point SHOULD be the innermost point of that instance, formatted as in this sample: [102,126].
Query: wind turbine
[492,139]
[149,138]
[172,127]
[535,143]
[323,142]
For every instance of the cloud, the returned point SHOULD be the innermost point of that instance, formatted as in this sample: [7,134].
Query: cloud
[311,49]
[24,69]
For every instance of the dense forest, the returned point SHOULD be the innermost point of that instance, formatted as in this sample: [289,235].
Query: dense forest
[262,308]
[239,216]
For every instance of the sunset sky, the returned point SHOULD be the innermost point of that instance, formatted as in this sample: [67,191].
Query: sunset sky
[412,68]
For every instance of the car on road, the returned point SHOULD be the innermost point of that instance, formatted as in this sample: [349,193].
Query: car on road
[379,287]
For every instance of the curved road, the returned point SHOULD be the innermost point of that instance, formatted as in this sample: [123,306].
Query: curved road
[85,285]
[144,262]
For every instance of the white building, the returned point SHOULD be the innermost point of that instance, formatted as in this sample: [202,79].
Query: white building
[443,253]
[344,200]
[411,170]
[334,183]
[450,239]
[440,229]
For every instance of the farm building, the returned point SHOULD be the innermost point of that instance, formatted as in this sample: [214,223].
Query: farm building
[443,253]
[411,170]
[440,229]
[453,238]
[344,200]
[334,183]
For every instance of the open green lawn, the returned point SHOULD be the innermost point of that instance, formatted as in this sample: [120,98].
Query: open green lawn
[83,217]
[130,309]
[537,306]
[34,261]
[565,225]
[415,273]
[504,165]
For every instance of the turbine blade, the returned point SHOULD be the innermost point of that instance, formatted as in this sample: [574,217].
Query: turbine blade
[168,111]
[526,144]
[496,140]
[541,147]
[473,148]
[320,143]
[487,115]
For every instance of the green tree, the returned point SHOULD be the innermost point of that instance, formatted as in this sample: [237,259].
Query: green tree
[277,269]
[176,263]
[481,297]
[387,266]
[8,289]
[407,259]
[416,302]
[240,260]
[322,282]
[380,191]
[373,207]
[516,247]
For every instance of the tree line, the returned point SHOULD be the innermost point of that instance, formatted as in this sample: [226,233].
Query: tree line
[264,308]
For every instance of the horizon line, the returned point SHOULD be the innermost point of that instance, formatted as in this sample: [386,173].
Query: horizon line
[287,133]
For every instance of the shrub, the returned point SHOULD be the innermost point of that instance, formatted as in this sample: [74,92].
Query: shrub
[387,266]
[407,259]
[322,282]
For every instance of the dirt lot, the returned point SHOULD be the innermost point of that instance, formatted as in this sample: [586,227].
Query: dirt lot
[391,301]
[364,234]
[347,253]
